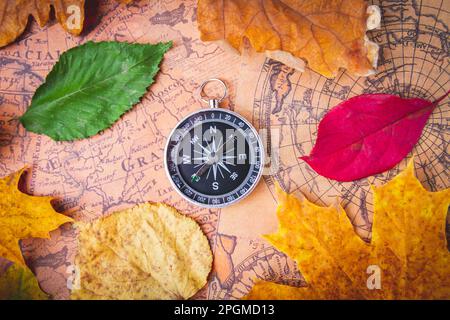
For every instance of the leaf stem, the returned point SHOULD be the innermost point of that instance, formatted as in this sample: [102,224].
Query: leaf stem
[441,98]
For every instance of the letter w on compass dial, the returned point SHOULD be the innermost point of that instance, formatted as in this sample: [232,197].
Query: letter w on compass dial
[214,158]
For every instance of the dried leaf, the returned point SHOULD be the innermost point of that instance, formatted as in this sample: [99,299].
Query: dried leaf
[23,216]
[328,34]
[146,252]
[410,222]
[320,239]
[368,134]
[19,283]
[14,16]
[408,246]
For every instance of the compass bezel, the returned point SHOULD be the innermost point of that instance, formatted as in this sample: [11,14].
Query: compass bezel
[261,156]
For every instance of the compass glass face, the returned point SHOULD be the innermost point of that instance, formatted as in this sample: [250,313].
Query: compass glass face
[214,158]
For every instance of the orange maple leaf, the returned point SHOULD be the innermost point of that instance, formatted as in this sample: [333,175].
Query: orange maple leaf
[407,258]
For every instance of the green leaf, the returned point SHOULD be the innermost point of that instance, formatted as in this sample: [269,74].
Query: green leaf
[19,283]
[91,87]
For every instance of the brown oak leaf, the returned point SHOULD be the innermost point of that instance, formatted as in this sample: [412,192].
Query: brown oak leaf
[14,16]
[329,34]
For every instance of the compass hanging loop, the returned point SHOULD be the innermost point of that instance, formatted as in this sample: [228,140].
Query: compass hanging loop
[212,102]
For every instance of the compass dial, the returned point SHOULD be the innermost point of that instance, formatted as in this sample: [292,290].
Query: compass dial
[214,157]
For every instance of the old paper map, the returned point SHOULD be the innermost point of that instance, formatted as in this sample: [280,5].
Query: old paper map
[124,165]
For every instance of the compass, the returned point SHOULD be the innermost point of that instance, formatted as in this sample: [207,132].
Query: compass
[214,157]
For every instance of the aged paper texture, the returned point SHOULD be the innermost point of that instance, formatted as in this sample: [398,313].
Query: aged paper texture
[124,165]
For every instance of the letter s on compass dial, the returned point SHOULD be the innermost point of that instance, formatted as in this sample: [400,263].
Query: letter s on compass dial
[214,157]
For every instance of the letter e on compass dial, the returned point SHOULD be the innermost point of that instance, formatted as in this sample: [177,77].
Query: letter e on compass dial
[214,157]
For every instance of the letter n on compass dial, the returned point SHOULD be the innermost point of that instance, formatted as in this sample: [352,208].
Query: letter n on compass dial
[214,158]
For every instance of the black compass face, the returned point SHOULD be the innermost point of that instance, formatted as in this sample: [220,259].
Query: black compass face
[213,158]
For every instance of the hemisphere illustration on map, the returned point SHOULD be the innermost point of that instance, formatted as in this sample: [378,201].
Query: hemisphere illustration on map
[124,165]
[413,62]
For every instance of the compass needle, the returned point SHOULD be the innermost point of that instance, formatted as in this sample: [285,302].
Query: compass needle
[220,170]
[201,153]
[204,149]
[214,144]
[214,171]
[207,145]
[230,163]
[224,166]
[220,141]
[209,171]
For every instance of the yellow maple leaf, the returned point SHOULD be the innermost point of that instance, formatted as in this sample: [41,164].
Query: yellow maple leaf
[410,222]
[147,252]
[329,34]
[408,250]
[19,283]
[23,216]
[14,16]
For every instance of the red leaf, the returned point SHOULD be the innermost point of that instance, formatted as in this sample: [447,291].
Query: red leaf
[368,134]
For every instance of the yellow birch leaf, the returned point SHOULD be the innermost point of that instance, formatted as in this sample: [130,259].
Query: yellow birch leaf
[23,216]
[329,34]
[408,248]
[147,252]
[19,283]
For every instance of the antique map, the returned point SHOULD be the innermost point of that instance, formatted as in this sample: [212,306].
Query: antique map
[123,165]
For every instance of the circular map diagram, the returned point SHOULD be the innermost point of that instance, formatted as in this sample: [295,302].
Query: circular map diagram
[413,62]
